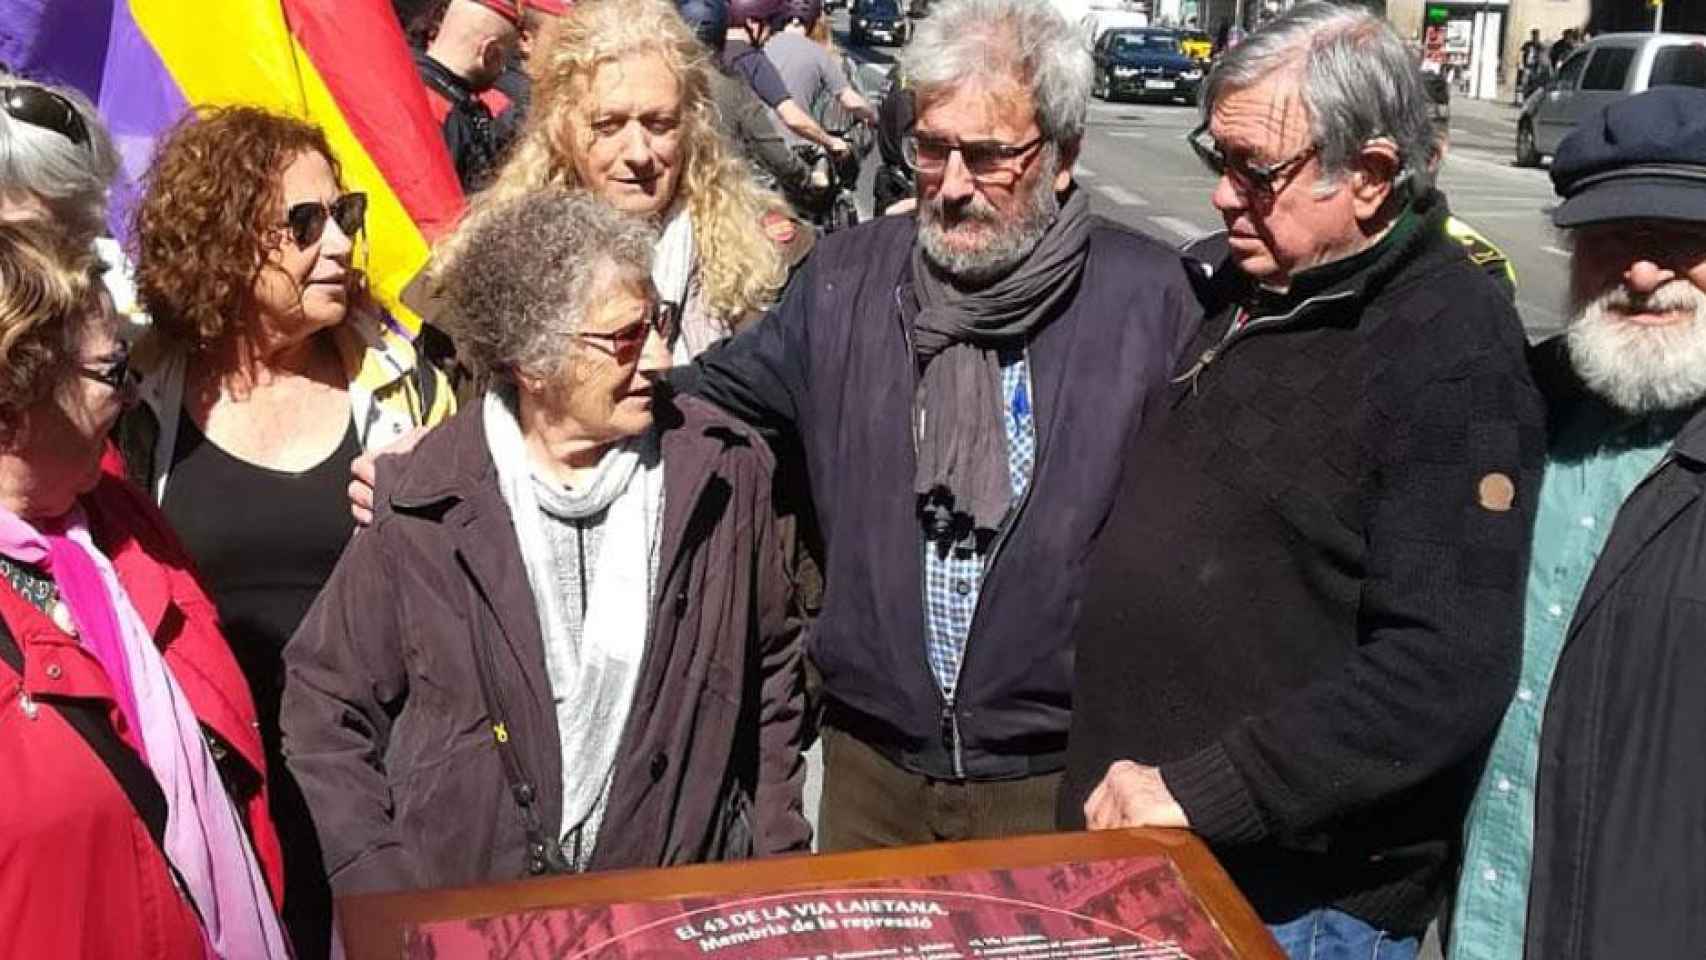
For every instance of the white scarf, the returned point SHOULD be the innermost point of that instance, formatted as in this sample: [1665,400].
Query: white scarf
[595,680]
[675,274]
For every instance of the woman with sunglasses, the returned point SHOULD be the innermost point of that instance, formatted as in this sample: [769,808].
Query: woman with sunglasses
[267,370]
[588,663]
[135,815]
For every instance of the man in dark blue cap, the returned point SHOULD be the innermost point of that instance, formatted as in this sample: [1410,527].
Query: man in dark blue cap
[1590,820]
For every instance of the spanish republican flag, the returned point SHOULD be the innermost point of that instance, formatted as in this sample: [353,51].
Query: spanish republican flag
[342,64]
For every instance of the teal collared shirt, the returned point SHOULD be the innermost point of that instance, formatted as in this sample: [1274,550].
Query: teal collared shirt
[1596,461]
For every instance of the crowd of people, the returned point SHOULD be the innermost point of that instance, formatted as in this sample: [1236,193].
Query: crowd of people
[1031,520]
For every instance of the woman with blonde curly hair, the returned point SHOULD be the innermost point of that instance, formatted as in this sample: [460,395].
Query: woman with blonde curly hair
[622,107]
[267,370]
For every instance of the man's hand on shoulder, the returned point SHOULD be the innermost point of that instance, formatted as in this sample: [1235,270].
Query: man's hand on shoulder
[1132,795]
[362,474]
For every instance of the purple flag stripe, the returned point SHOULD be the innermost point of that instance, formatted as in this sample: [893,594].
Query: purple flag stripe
[140,101]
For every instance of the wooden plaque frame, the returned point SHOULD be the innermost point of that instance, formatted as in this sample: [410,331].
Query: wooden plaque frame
[373,925]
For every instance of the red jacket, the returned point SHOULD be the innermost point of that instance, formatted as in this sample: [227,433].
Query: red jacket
[79,874]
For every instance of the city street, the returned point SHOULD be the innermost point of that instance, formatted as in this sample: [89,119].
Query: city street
[1141,172]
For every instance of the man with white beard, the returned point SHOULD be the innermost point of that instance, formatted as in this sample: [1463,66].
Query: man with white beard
[1590,819]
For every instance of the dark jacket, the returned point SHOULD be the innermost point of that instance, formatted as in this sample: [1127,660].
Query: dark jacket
[470,133]
[1619,864]
[1306,608]
[387,731]
[751,128]
[832,368]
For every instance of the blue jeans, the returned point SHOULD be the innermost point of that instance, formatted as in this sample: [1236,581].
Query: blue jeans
[1328,934]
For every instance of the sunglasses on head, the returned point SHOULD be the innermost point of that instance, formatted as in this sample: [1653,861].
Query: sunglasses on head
[41,107]
[625,344]
[307,220]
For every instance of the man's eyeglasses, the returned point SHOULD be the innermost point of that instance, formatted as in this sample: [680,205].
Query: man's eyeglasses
[41,107]
[115,373]
[990,161]
[625,344]
[307,220]
[1265,180]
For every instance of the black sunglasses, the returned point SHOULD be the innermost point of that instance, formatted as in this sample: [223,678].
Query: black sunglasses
[307,220]
[626,343]
[41,107]
[1264,179]
[116,374]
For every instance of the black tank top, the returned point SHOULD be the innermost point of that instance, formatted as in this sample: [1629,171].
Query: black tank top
[264,542]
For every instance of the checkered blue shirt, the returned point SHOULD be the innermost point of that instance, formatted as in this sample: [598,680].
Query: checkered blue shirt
[952,582]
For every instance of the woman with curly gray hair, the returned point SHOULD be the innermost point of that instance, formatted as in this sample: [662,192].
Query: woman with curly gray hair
[601,562]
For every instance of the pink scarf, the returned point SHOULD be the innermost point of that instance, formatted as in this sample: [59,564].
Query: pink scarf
[205,837]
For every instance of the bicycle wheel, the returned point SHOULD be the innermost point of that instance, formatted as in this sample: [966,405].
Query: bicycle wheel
[845,213]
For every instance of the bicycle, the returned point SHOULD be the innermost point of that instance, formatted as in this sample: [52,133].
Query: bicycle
[835,207]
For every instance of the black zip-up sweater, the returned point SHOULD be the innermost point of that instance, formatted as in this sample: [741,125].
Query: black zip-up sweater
[1306,607]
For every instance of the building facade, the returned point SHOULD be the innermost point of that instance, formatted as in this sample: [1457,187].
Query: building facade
[1476,44]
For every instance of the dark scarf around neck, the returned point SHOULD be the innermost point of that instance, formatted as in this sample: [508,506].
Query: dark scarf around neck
[962,479]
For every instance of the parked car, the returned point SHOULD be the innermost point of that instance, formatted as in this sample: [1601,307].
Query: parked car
[1197,45]
[880,21]
[1605,69]
[1144,64]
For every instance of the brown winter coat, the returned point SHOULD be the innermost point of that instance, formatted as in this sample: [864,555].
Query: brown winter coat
[389,735]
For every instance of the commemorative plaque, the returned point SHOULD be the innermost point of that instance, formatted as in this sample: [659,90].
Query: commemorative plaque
[1131,895]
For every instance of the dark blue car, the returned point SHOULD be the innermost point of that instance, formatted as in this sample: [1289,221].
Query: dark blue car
[1144,64]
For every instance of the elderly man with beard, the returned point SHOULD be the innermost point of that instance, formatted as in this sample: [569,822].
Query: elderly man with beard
[960,382]
[1302,620]
[1590,820]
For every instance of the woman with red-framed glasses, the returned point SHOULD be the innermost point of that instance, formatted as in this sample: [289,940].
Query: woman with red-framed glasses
[584,659]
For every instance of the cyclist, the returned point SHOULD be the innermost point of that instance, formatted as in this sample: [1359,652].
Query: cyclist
[750,27]
[811,74]
[744,118]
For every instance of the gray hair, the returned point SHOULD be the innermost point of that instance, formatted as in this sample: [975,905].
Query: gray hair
[1023,41]
[1358,82]
[71,181]
[519,275]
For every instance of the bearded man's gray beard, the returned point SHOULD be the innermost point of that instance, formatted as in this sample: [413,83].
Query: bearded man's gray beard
[1008,248]
[1642,369]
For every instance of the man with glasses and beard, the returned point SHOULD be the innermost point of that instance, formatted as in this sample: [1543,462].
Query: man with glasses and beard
[1590,820]
[960,382]
[1302,621]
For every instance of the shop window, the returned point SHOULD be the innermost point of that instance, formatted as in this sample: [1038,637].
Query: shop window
[1681,66]
[1609,69]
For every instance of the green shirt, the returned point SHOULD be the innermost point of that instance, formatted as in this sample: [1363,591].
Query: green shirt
[1596,461]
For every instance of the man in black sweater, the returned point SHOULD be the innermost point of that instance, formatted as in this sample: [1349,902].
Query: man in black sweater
[1302,621]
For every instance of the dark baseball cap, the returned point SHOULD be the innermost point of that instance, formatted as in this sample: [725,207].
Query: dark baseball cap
[1641,158]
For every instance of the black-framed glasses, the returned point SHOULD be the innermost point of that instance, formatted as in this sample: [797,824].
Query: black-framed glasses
[625,344]
[307,220]
[115,372]
[985,160]
[41,107]
[1262,179]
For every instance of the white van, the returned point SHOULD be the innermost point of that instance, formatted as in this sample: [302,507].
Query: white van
[1604,69]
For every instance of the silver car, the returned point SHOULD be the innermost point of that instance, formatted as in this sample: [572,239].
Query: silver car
[1604,69]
